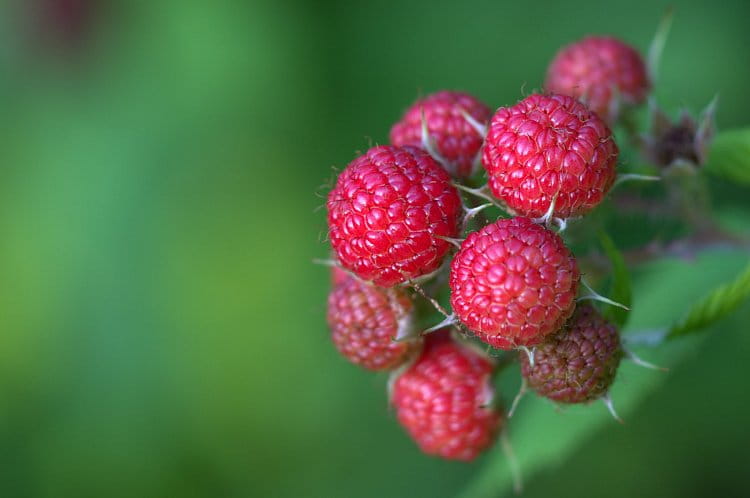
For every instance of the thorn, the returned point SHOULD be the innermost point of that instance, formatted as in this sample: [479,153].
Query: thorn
[521,392]
[515,467]
[529,353]
[551,209]
[646,338]
[626,177]
[482,193]
[607,400]
[429,145]
[455,242]
[641,362]
[326,262]
[595,296]
[562,224]
[706,129]
[548,217]
[470,213]
[478,127]
[657,44]
[448,321]
[432,301]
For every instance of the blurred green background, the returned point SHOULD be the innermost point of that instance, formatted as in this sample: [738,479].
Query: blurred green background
[162,328]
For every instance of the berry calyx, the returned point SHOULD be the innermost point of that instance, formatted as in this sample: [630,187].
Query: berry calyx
[601,71]
[371,326]
[549,148]
[579,363]
[444,400]
[685,141]
[456,140]
[387,214]
[513,283]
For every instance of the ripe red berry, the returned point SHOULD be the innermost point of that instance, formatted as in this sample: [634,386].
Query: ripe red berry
[549,147]
[386,212]
[579,363]
[513,283]
[455,138]
[444,400]
[602,71]
[365,321]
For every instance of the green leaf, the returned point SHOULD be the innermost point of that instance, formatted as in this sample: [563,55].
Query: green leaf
[620,288]
[543,436]
[730,156]
[719,303]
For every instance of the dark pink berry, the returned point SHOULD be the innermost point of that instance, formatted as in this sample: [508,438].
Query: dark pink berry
[603,72]
[370,326]
[445,400]
[549,147]
[455,138]
[387,213]
[513,283]
[579,363]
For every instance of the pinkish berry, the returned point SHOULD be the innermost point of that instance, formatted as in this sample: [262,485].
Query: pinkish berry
[387,213]
[603,72]
[365,322]
[545,148]
[579,363]
[455,138]
[338,276]
[513,283]
[444,400]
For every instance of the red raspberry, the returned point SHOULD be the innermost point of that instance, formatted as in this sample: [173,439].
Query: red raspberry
[601,71]
[513,283]
[547,146]
[444,400]
[386,211]
[456,140]
[578,364]
[365,321]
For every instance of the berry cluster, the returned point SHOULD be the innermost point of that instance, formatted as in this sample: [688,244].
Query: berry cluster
[397,211]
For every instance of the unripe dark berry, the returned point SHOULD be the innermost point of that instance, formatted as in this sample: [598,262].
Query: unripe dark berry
[579,363]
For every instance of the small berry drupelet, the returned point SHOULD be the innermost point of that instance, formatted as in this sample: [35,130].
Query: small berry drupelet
[338,276]
[387,213]
[365,322]
[444,400]
[579,363]
[513,283]
[456,140]
[549,148]
[601,71]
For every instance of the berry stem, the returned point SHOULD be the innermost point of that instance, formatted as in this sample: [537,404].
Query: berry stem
[517,399]
[515,467]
